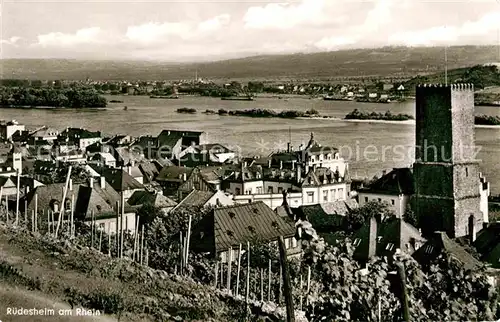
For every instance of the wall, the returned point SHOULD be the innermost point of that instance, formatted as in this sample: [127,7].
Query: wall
[223,199]
[109,224]
[400,201]
[273,201]
[88,141]
[318,193]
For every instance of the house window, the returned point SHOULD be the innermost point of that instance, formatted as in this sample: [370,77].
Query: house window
[341,193]
[379,200]
[466,171]
[294,242]
[312,159]
[287,243]
[366,199]
[259,190]
[101,226]
[310,197]
[270,190]
[280,189]
[428,249]
[389,246]
[392,202]
[237,191]
[325,195]
[333,193]
[356,242]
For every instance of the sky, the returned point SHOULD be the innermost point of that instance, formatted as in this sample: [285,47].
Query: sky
[178,30]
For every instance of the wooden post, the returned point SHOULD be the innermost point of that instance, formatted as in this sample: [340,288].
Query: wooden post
[301,288]
[290,313]
[32,221]
[48,221]
[25,211]
[52,221]
[269,282]
[135,240]
[36,204]
[117,233]
[280,290]
[247,289]
[238,272]
[404,292]
[121,225]
[100,239]
[17,196]
[7,207]
[109,239]
[147,256]
[142,244]
[72,217]
[262,285]
[92,229]
[216,273]
[308,284]
[229,261]
[188,237]
[181,253]
[61,212]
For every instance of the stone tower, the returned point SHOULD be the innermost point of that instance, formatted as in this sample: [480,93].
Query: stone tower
[447,194]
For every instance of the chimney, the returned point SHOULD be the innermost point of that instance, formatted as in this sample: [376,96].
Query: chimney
[103,183]
[184,177]
[293,164]
[288,147]
[91,183]
[70,184]
[384,172]
[129,170]
[269,163]
[299,173]
[372,238]
[472,229]
[307,169]
[281,165]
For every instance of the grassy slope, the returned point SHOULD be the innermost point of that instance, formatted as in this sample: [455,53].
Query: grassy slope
[43,270]
[388,61]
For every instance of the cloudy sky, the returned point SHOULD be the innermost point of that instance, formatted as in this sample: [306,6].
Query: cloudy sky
[177,30]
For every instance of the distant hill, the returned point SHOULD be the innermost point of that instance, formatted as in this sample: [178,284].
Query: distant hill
[384,62]
[480,75]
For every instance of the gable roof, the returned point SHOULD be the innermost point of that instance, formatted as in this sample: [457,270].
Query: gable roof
[325,215]
[173,173]
[196,198]
[487,244]
[395,231]
[317,177]
[149,170]
[140,198]
[119,179]
[440,243]
[98,200]
[398,181]
[229,226]
[47,194]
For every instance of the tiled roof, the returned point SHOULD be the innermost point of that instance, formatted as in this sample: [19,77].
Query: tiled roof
[487,244]
[140,198]
[100,201]
[149,170]
[173,173]
[440,243]
[47,194]
[119,179]
[127,155]
[393,231]
[318,176]
[80,133]
[398,181]
[247,222]
[325,215]
[196,198]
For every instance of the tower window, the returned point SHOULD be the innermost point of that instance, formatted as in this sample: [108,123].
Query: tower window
[466,172]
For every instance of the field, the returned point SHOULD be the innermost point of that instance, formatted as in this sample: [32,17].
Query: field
[401,62]
[36,271]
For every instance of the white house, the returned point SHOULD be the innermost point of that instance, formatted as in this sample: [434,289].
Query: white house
[7,129]
[394,188]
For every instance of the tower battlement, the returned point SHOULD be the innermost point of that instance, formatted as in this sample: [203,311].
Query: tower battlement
[455,87]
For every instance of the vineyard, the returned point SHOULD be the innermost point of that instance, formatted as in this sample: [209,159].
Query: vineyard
[155,279]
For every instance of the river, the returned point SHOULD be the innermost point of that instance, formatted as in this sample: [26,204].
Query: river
[370,147]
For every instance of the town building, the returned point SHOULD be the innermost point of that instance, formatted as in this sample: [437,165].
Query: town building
[82,138]
[222,231]
[201,199]
[7,129]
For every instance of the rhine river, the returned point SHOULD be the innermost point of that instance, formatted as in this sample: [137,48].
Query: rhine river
[370,147]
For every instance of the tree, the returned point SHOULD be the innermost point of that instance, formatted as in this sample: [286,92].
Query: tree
[411,217]
[357,217]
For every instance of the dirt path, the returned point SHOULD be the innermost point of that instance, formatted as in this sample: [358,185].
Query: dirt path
[19,298]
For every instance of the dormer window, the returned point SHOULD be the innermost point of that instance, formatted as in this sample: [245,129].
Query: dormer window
[356,242]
